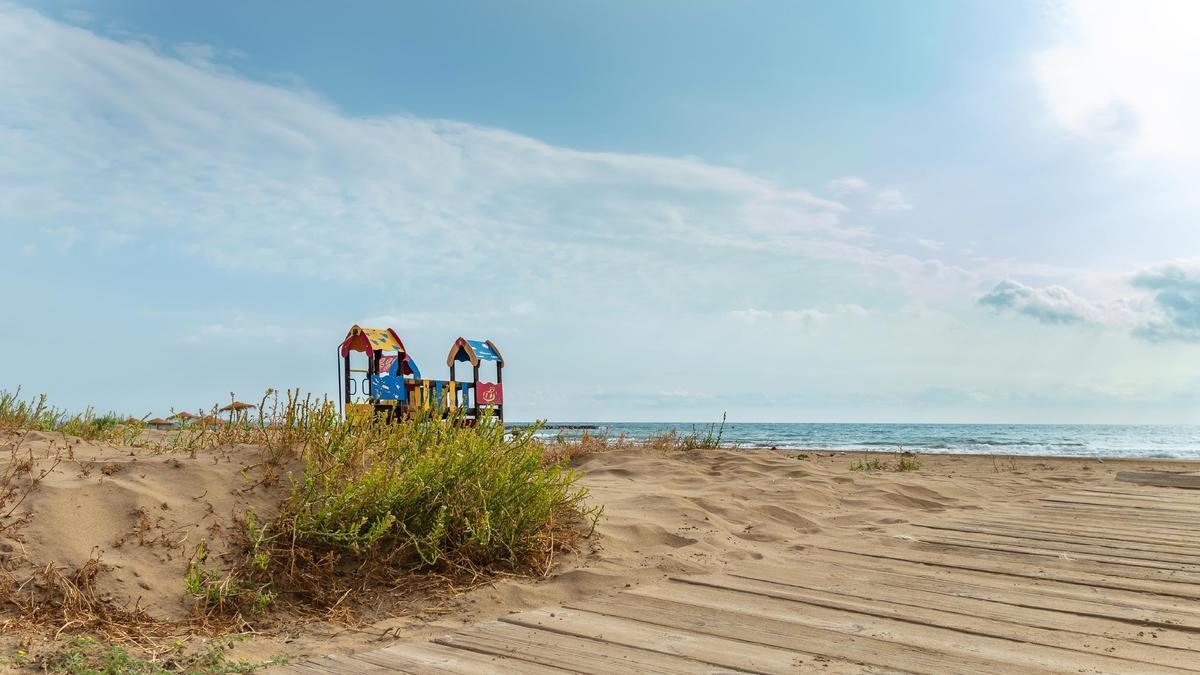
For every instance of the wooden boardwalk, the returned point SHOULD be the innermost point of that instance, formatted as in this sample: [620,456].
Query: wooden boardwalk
[1102,579]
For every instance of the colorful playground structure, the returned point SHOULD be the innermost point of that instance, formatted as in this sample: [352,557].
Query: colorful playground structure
[391,382]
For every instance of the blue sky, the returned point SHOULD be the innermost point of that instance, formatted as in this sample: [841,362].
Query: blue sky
[860,211]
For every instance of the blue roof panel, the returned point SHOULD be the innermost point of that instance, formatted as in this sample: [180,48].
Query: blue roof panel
[483,351]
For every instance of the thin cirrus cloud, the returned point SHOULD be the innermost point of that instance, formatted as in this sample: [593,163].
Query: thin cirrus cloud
[265,178]
[810,317]
[876,199]
[114,144]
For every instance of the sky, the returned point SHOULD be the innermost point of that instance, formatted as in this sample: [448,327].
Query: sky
[859,211]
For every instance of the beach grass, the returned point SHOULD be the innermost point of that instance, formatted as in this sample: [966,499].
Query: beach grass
[35,414]
[361,505]
[87,655]
[427,494]
[870,464]
[699,438]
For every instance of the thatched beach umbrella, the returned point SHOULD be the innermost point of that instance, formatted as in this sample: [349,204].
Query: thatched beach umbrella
[158,423]
[237,407]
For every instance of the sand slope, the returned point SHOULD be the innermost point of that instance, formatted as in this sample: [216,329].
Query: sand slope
[140,512]
[666,514]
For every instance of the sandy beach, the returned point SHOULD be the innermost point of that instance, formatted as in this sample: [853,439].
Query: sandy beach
[140,512]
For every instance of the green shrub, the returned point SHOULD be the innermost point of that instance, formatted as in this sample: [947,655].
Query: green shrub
[868,464]
[708,438]
[36,415]
[85,655]
[432,492]
[373,499]
[368,495]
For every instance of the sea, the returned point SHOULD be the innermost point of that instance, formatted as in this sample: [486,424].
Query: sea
[1066,440]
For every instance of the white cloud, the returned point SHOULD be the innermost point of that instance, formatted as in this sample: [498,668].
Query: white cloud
[64,236]
[1175,287]
[1052,304]
[122,139]
[523,308]
[890,199]
[237,326]
[931,244]
[847,185]
[1164,306]
[807,317]
[854,187]
[1126,74]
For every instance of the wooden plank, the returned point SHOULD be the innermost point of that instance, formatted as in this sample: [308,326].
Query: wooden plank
[1120,529]
[424,658]
[1006,583]
[1160,479]
[1150,495]
[950,634]
[1080,578]
[973,625]
[1123,503]
[1160,645]
[1120,516]
[569,652]
[1134,540]
[346,664]
[1177,505]
[305,668]
[1138,536]
[1066,542]
[1000,591]
[1180,508]
[864,650]
[1047,558]
[708,649]
[1134,567]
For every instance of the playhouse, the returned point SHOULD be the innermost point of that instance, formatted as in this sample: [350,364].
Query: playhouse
[385,378]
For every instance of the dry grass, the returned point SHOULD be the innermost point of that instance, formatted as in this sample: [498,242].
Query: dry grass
[17,414]
[564,447]
[377,501]
[904,461]
[379,515]
[21,476]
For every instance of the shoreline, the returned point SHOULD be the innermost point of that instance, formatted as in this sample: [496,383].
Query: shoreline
[997,455]
[1151,441]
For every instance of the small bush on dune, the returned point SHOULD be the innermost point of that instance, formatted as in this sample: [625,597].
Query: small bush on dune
[370,502]
[709,438]
[564,448]
[905,462]
[433,492]
[373,499]
[867,464]
[36,416]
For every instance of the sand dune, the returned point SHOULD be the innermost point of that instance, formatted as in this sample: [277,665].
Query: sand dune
[666,514]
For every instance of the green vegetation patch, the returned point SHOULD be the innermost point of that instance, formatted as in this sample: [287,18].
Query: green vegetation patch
[372,499]
[85,655]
